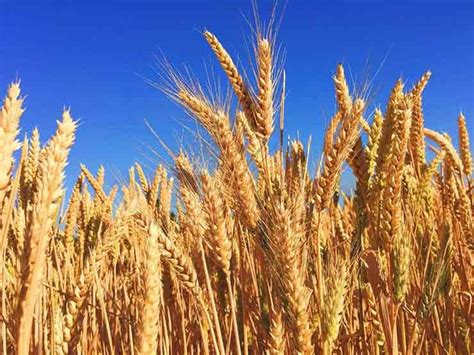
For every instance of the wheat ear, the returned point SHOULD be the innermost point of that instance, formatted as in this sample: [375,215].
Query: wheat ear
[238,85]
[451,155]
[401,266]
[343,98]
[340,151]
[417,142]
[217,234]
[218,125]
[264,107]
[96,185]
[464,147]
[276,341]
[148,326]
[9,121]
[49,182]
[31,167]
[334,306]
[373,141]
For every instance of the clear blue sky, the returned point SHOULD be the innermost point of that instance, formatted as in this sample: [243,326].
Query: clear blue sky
[93,57]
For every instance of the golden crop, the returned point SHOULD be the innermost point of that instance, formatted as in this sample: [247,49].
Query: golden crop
[255,255]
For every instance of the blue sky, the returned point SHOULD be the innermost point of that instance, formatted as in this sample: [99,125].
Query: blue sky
[93,57]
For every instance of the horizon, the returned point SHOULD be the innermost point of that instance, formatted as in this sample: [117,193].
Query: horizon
[94,58]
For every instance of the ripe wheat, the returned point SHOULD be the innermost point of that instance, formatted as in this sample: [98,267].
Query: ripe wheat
[252,252]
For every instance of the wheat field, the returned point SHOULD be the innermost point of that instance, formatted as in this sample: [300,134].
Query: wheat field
[251,251]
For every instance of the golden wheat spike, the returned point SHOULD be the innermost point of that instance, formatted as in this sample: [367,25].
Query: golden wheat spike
[264,107]
[464,146]
[417,142]
[10,114]
[240,89]
[49,185]
[148,327]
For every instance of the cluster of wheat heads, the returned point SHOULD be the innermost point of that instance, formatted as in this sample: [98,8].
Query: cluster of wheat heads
[254,255]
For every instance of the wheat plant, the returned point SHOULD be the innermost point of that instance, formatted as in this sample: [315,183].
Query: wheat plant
[250,251]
